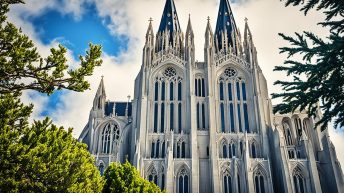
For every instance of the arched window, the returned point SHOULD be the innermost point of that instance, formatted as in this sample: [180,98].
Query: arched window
[155,117]
[231,111]
[203,88]
[239,118]
[299,181]
[233,149]
[162,121]
[224,150]
[222,111]
[179,91]
[163,153]
[241,147]
[157,147]
[238,90]
[203,116]
[239,183]
[183,181]
[181,151]
[152,150]
[101,169]
[156,91]
[198,114]
[253,150]
[163,182]
[230,95]
[199,87]
[106,138]
[162,90]
[196,87]
[247,128]
[259,185]
[287,134]
[171,91]
[243,87]
[227,182]
[153,176]
[221,91]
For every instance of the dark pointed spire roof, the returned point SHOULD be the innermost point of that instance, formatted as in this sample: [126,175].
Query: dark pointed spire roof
[169,19]
[225,21]
[189,27]
[101,88]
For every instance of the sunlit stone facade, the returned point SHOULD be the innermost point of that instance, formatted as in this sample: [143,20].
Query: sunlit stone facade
[208,126]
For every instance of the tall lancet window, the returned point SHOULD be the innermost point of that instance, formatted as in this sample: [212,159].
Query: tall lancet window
[153,176]
[109,138]
[233,104]
[259,185]
[162,116]
[299,181]
[183,181]
[287,134]
[227,182]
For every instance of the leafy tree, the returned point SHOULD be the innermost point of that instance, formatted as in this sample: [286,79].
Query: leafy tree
[124,178]
[40,157]
[320,73]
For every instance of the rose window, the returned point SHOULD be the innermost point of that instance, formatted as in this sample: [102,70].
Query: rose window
[230,72]
[170,72]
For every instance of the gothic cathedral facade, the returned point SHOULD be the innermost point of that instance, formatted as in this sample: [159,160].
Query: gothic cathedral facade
[208,126]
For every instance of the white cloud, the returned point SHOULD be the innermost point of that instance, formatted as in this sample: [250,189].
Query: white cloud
[130,17]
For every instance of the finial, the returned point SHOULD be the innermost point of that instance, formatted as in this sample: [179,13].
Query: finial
[102,76]
[150,19]
[189,15]
[208,18]
[246,19]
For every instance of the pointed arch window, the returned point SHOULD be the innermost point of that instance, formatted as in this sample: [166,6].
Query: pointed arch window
[253,150]
[183,182]
[163,152]
[153,176]
[106,139]
[259,185]
[203,116]
[238,90]
[287,134]
[162,90]
[231,111]
[155,117]
[247,128]
[163,182]
[181,149]
[152,150]
[233,147]
[299,181]
[222,112]
[157,148]
[203,88]
[224,150]
[227,182]
[179,91]
[162,121]
[239,183]
[171,116]
[198,114]
[230,96]
[171,91]
[199,87]
[156,91]
[243,87]
[101,169]
[221,91]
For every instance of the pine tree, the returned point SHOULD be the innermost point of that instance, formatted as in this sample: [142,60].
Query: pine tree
[40,157]
[322,65]
[125,178]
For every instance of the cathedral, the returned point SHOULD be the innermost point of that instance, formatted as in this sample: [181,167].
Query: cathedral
[208,127]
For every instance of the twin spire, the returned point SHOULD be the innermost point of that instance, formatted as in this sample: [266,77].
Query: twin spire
[226,37]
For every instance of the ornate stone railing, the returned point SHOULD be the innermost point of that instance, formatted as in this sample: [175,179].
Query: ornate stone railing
[221,58]
[169,54]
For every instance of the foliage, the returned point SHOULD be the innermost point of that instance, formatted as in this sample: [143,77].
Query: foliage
[320,73]
[23,68]
[40,157]
[121,178]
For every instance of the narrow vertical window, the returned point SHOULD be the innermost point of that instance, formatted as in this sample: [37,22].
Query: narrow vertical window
[203,88]
[239,118]
[196,86]
[230,96]
[262,186]
[233,149]
[101,169]
[241,147]
[253,149]
[225,182]
[162,91]
[155,117]
[163,182]
[247,128]
[180,184]
[156,91]
[224,151]
[238,90]
[171,91]
[179,117]
[239,187]
[199,87]
[186,184]
[163,153]
[243,87]
[152,150]
[197,116]
[183,150]
[179,91]
[203,116]
[172,116]
[221,91]
[231,111]
[157,147]
[222,118]
[178,150]
[162,121]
